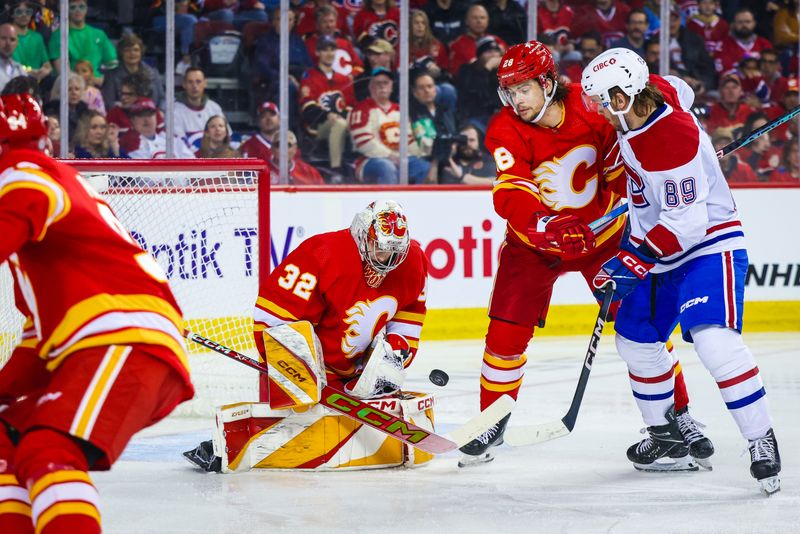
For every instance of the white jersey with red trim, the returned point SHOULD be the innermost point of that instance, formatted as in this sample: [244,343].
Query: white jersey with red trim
[190,122]
[680,203]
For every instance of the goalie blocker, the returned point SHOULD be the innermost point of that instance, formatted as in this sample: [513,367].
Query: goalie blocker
[296,432]
[296,370]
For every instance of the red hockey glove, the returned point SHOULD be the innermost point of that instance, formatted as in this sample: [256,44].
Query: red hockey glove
[565,232]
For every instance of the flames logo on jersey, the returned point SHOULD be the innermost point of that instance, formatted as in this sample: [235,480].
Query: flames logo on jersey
[365,320]
[559,180]
[343,62]
[386,30]
[391,223]
[332,101]
[636,188]
[390,134]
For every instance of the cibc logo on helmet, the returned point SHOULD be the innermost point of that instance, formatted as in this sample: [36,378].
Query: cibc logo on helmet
[604,64]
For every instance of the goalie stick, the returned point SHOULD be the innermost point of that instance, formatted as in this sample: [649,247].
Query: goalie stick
[378,419]
[530,434]
[721,153]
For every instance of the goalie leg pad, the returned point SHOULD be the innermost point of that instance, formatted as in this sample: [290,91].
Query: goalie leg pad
[296,369]
[253,435]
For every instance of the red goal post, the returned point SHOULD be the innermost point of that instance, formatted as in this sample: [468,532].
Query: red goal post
[205,222]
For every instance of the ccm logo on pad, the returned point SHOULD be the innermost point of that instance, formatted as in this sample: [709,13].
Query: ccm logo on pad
[604,64]
[291,370]
[692,302]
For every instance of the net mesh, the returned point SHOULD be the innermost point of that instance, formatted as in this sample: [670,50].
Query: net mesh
[202,228]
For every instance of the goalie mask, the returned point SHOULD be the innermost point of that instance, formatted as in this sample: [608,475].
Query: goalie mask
[381,235]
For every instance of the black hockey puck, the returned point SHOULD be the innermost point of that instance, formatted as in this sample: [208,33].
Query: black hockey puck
[439,377]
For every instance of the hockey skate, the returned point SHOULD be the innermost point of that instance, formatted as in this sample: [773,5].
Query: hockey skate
[663,449]
[479,450]
[203,457]
[766,463]
[700,447]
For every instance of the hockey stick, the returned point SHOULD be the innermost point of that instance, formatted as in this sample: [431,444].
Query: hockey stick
[530,434]
[610,216]
[378,419]
[721,153]
[758,132]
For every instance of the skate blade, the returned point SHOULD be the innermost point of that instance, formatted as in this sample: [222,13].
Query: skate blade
[212,466]
[686,463]
[192,458]
[770,485]
[468,460]
[705,463]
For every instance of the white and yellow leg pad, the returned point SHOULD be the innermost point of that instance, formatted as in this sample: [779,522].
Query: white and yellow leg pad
[255,436]
[296,370]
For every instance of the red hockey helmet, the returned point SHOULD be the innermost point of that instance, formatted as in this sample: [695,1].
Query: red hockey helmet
[526,61]
[21,120]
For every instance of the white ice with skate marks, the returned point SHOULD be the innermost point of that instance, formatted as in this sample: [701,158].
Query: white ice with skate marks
[581,483]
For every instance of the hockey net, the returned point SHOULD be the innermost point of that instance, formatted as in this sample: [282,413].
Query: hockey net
[201,220]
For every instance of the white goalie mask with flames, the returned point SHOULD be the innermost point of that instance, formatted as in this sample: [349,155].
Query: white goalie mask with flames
[381,235]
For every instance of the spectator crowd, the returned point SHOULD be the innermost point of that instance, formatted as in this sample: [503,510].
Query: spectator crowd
[739,56]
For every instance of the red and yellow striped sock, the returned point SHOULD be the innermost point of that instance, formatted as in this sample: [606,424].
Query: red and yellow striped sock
[65,502]
[501,376]
[681,394]
[15,508]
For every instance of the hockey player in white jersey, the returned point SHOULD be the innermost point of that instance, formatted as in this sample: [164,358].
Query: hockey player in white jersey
[682,261]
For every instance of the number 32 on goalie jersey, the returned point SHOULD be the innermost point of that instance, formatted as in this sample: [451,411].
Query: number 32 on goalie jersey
[300,284]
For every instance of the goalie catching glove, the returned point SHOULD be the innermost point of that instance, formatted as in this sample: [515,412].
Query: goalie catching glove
[384,371]
[566,232]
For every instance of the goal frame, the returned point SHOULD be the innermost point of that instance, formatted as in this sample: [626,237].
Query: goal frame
[262,190]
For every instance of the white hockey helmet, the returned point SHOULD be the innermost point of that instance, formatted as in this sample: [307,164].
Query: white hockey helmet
[381,228]
[616,67]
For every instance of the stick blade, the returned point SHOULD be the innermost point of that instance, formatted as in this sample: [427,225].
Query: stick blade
[483,421]
[518,436]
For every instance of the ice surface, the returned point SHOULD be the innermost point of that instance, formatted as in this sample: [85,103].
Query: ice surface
[581,483]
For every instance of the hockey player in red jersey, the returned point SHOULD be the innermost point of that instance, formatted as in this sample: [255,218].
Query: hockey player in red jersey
[557,171]
[102,356]
[351,284]
[359,287]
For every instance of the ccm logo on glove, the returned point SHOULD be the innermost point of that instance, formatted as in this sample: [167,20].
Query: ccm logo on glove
[634,264]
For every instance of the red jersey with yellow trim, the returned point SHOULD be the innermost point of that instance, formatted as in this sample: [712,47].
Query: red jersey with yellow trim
[84,281]
[572,169]
[322,281]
